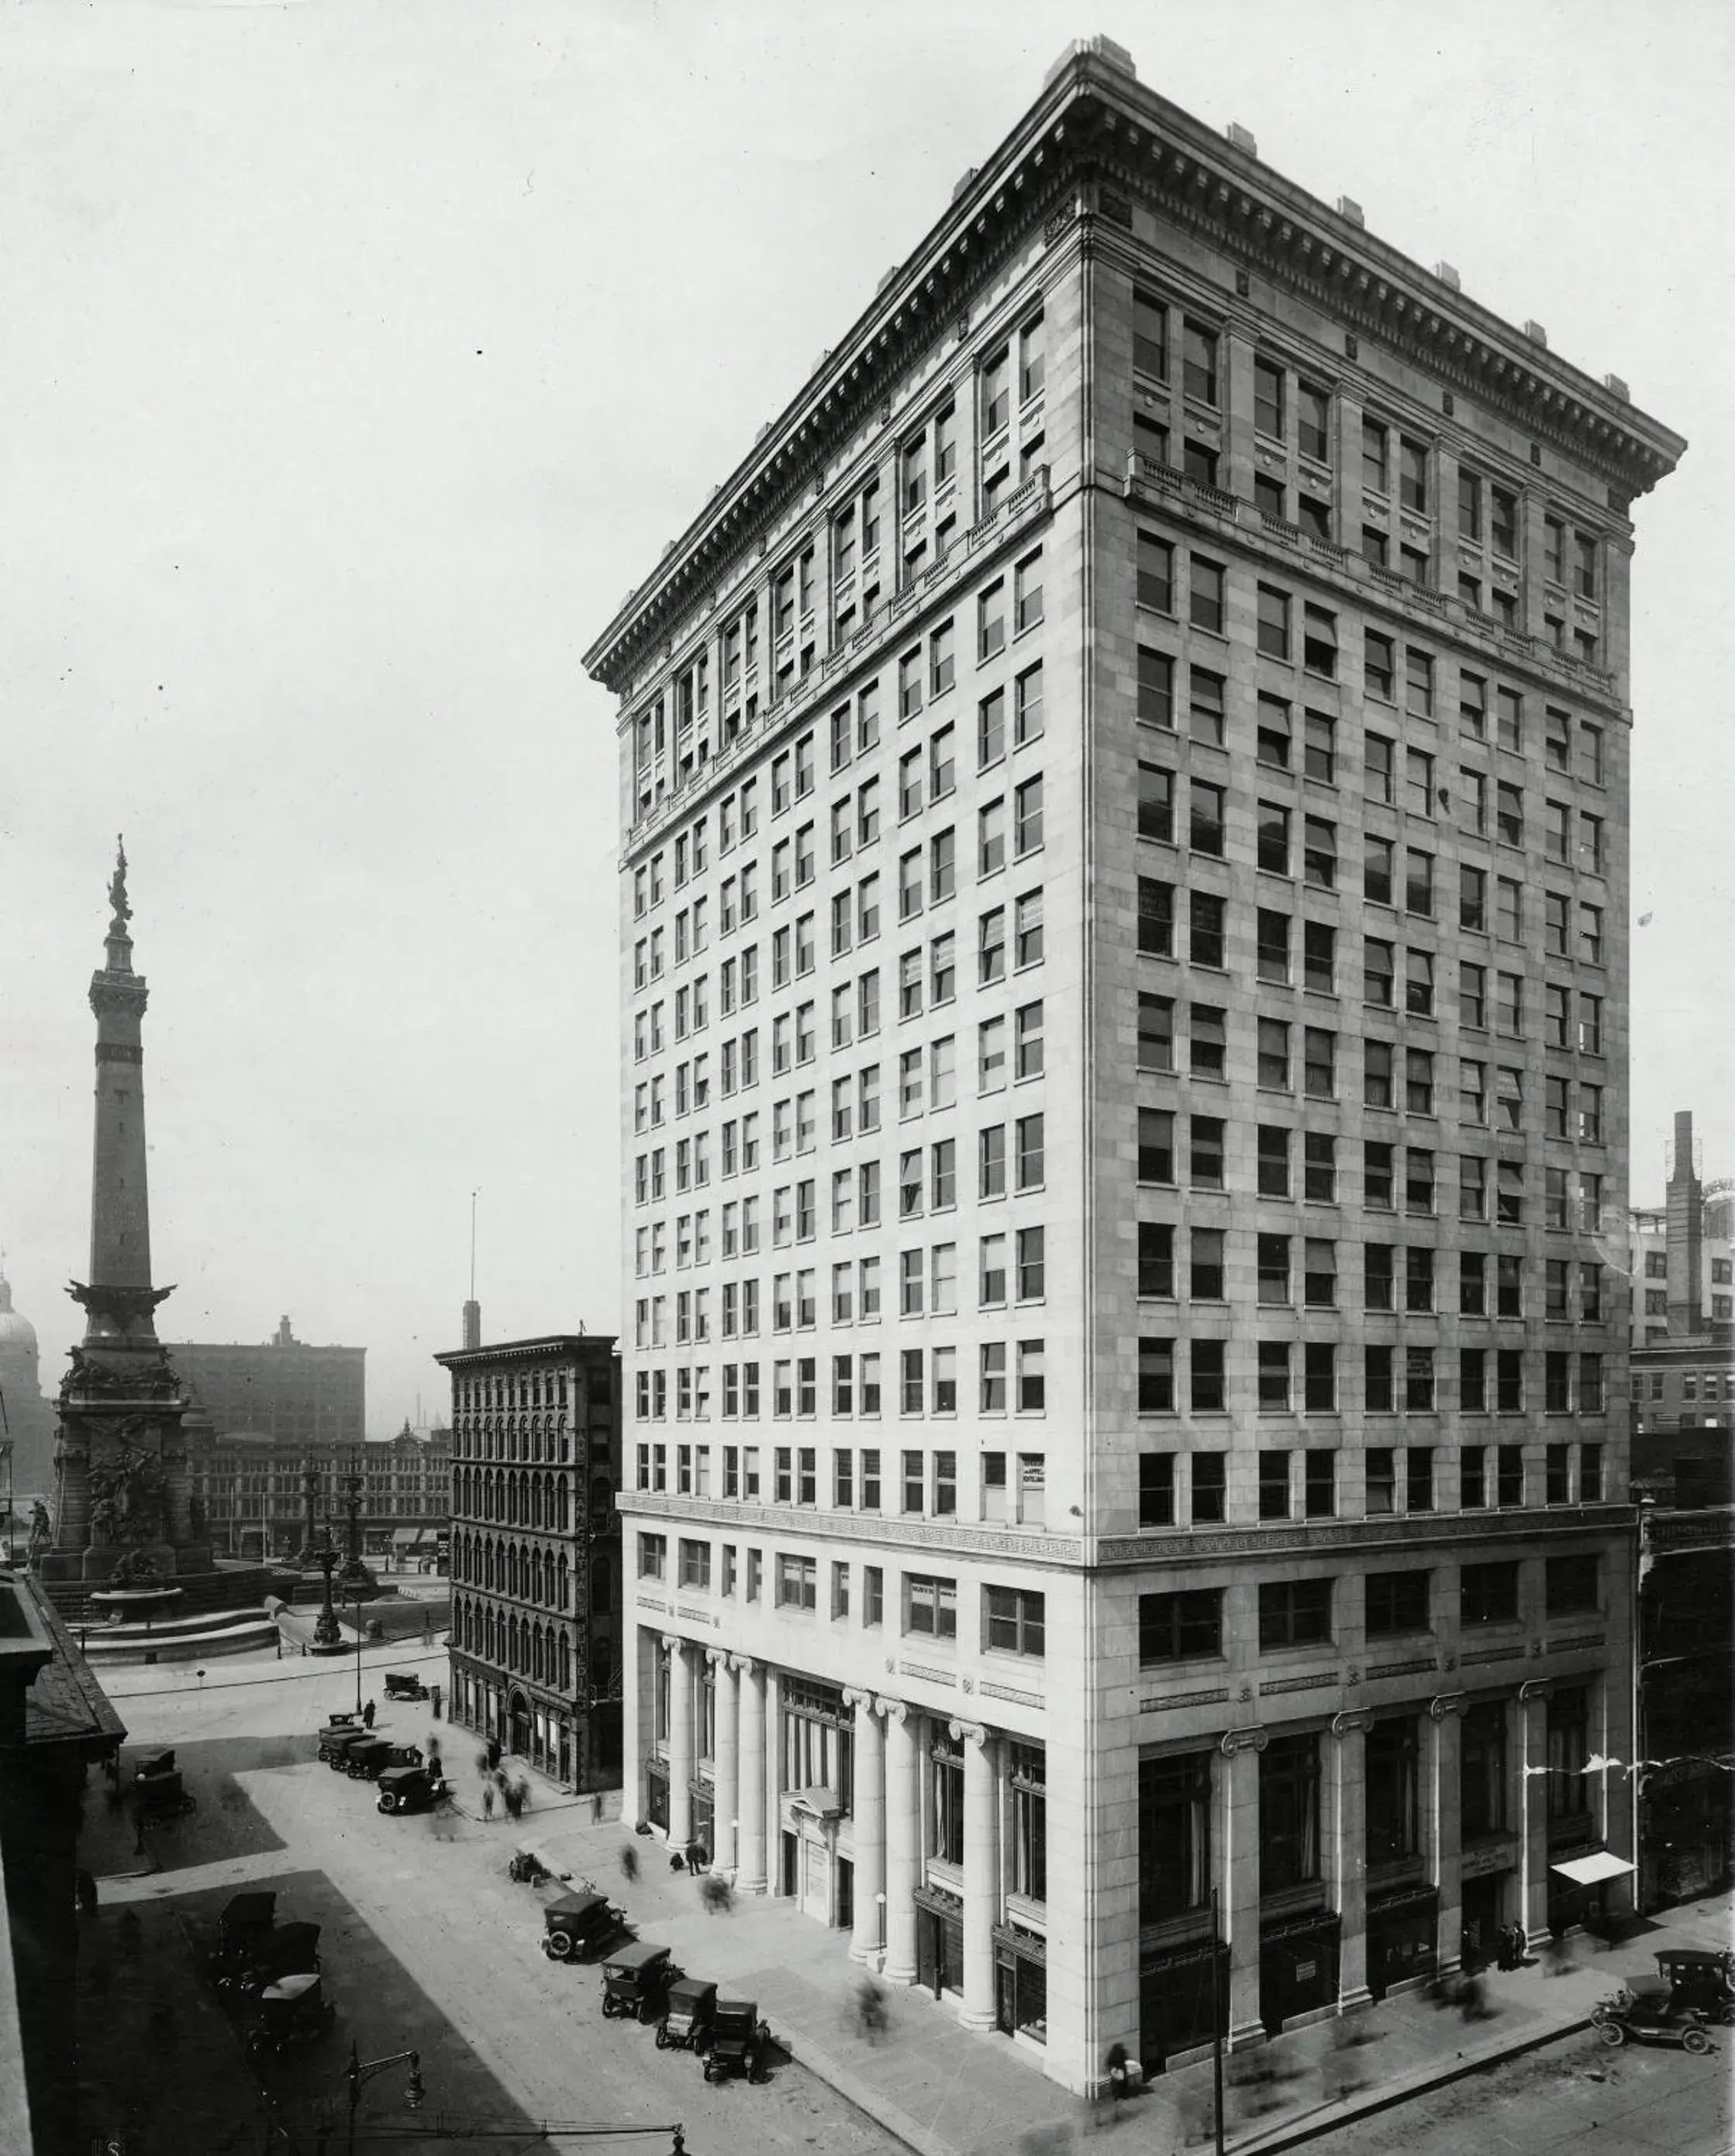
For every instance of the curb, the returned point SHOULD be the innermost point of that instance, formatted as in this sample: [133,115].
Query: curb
[1425,2078]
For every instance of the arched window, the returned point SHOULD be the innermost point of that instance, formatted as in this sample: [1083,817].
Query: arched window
[601,1497]
[565,1663]
[561,1582]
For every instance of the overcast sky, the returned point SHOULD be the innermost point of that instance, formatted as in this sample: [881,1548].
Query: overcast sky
[358,358]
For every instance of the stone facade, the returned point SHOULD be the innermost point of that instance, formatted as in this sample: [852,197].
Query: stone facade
[259,1495]
[535,1551]
[1124,967]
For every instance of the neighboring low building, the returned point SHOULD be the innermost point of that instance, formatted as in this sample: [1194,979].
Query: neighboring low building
[281,1388]
[55,1722]
[535,1551]
[1683,1419]
[252,1491]
[1683,1353]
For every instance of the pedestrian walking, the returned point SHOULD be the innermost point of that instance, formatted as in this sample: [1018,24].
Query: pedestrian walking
[1555,1960]
[521,1789]
[715,1892]
[1119,2078]
[493,1752]
[511,1799]
[596,1808]
[696,1855]
[488,1800]
[368,1714]
[629,1863]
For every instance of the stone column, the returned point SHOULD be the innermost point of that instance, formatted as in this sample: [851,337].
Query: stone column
[681,1741]
[750,1811]
[869,1817]
[1532,1755]
[1237,1795]
[982,1871]
[727,1785]
[772,1777]
[1347,1832]
[1446,1827]
[903,1840]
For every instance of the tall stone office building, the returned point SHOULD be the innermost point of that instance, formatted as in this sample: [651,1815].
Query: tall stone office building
[1124,964]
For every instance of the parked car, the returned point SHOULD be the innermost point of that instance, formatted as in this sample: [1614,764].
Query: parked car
[575,1926]
[287,1950]
[411,1788]
[739,2042]
[635,1980]
[243,1931]
[161,1790]
[1652,2012]
[368,1761]
[336,1738]
[290,2013]
[404,1684]
[687,2016]
[1701,1980]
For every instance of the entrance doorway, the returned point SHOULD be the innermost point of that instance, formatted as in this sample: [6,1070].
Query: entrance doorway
[789,1864]
[1482,1920]
[845,1918]
[518,1716]
[939,1950]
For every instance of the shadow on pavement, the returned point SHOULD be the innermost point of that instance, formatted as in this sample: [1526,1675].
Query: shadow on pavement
[164,2064]
[223,1823]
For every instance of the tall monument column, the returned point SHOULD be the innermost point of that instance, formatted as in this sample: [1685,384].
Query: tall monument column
[122,1504]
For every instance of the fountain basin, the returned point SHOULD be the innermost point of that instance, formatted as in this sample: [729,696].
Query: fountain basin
[128,1605]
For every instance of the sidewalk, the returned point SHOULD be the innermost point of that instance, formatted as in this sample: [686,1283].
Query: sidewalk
[944,2091]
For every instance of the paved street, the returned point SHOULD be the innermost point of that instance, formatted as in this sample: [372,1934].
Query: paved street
[426,1943]
[1576,2095]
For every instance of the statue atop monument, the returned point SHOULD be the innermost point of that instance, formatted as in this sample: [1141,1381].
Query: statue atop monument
[117,892]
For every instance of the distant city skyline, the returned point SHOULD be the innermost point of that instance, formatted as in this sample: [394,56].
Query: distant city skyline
[358,379]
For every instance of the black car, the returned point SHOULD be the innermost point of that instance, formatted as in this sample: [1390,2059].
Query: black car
[411,1788]
[575,1926]
[687,2016]
[740,2042]
[1655,2014]
[404,1684]
[635,1981]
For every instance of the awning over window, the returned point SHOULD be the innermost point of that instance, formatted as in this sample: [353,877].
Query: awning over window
[1587,1871]
[819,1803]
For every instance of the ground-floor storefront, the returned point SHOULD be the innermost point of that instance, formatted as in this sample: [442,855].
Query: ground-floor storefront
[1276,1871]
[528,1724]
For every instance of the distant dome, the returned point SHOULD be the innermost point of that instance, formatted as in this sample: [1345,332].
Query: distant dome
[16,1333]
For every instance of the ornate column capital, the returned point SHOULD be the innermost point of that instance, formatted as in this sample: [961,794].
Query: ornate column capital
[673,1642]
[1447,1702]
[719,1657]
[1354,1721]
[857,1695]
[969,1732]
[746,1664]
[894,1710]
[1242,1740]
[1537,1688]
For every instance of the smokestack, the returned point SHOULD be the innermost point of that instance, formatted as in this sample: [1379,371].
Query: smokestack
[472,1323]
[1687,1234]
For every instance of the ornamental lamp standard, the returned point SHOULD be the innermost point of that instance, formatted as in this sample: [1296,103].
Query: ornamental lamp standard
[359,2072]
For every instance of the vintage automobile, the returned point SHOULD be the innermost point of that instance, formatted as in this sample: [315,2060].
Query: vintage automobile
[635,1979]
[336,1738]
[404,1684]
[290,2013]
[1701,1980]
[287,1950]
[687,2015]
[157,1786]
[575,1926]
[368,1761]
[1650,2011]
[739,2042]
[409,1788]
[243,1931]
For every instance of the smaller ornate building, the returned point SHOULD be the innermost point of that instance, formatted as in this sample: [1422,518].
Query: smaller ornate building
[253,1492]
[535,1551]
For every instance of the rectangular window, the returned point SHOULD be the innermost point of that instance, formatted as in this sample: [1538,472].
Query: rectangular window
[1294,1613]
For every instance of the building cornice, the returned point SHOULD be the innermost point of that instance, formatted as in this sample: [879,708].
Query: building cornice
[1094,122]
[569,1344]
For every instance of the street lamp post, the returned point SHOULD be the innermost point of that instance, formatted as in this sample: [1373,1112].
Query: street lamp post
[356,1605]
[359,2072]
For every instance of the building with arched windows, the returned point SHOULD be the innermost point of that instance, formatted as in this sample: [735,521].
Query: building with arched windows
[535,1552]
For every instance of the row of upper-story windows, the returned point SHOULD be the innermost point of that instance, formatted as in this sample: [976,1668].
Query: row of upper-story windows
[1398,463]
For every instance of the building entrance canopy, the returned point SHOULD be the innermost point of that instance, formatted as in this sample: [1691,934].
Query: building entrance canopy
[1590,1871]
